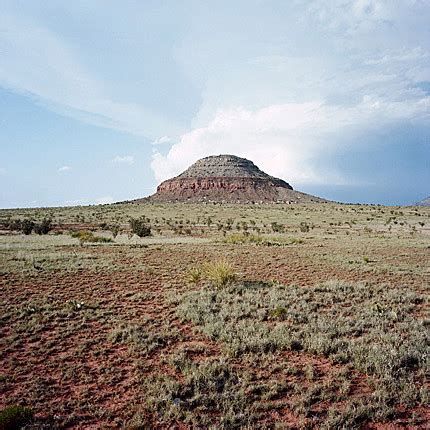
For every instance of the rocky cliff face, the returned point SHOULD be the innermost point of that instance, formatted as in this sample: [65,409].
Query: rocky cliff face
[227,178]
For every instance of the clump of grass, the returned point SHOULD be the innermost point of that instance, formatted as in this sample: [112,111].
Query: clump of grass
[276,240]
[220,273]
[15,417]
[76,305]
[279,313]
[294,240]
[86,236]
[210,395]
[194,275]
[240,238]
[143,339]
[355,415]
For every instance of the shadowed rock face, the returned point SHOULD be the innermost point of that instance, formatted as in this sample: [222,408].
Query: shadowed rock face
[227,178]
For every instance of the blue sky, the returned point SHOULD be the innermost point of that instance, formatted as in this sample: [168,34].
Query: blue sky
[102,100]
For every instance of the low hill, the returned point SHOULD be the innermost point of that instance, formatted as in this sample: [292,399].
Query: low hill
[229,179]
[424,202]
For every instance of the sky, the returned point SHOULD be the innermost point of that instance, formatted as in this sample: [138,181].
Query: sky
[102,100]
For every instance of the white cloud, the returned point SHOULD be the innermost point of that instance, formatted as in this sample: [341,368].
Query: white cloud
[65,169]
[76,202]
[37,63]
[104,200]
[85,201]
[352,15]
[126,159]
[285,139]
[162,140]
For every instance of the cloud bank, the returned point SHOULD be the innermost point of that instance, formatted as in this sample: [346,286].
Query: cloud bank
[285,139]
[339,69]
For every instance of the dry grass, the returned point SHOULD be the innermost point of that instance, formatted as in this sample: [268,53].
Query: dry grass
[220,273]
[138,332]
[194,275]
[370,327]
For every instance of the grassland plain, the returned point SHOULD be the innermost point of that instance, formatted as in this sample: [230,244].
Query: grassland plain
[227,316]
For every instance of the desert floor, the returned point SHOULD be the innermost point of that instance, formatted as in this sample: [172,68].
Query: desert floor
[227,316]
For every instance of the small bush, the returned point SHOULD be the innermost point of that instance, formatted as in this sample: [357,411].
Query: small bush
[27,226]
[277,228]
[15,417]
[114,229]
[44,227]
[304,227]
[139,227]
[220,273]
[13,225]
[86,236]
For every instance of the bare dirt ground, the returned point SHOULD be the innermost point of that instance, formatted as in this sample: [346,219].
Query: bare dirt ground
[118,335]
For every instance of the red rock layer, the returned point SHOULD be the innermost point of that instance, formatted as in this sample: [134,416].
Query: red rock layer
[224,189]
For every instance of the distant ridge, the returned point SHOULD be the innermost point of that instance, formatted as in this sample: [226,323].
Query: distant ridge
[424,202]
[229,179]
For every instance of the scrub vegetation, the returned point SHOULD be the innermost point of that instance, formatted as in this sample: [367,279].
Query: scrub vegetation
[214,316]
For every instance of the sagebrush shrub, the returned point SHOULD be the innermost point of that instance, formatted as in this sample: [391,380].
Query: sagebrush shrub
[43,227]
[139,226]
[27,226]
[304,227]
